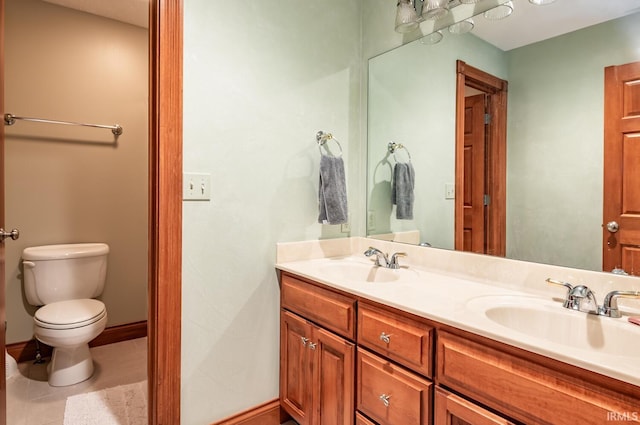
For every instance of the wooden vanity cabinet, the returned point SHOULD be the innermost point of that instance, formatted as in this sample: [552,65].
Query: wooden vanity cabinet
[387,379]
[317,376]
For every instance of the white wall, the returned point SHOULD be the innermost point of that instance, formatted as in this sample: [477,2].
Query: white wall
[261,78]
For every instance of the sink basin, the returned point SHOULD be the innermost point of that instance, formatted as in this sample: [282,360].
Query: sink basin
[363,272]
[547,320]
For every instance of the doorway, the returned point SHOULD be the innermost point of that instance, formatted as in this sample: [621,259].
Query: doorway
[481,129]
[165,212]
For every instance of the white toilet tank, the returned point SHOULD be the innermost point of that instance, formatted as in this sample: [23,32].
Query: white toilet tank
[64,272]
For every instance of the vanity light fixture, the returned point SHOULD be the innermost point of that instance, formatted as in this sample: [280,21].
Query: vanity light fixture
[499,12]
[462,27]
[433,38]
[406,17]
[435,9]
[410,13]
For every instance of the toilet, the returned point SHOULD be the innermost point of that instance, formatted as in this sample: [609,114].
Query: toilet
[64,279]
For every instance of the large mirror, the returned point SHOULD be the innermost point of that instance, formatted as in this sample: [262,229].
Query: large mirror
[553,59]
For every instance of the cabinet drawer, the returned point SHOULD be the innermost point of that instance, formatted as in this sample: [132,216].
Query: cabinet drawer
[389,394]
[361,420]
[400,338]
[524,389]
[322,306]
[450,409]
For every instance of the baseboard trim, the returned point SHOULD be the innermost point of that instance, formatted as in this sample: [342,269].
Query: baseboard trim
[26,351]
[268,413]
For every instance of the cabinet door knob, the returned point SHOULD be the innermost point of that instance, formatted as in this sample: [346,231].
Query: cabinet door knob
[384,398]
[312,345]
[385,338]
[304,340]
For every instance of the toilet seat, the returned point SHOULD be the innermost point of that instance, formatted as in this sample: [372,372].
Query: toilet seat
[70,314]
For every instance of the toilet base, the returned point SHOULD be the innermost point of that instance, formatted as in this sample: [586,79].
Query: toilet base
[70,365]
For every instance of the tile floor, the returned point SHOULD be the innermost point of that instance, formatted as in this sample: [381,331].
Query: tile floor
[31,401]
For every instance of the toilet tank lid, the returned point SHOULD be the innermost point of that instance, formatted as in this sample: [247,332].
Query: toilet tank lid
[63,251]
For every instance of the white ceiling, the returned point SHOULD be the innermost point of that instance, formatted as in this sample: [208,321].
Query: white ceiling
[530,23]
[135,12]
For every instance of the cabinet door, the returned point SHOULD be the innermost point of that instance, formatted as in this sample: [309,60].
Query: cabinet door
[453,410]
[295,367]
[334,378]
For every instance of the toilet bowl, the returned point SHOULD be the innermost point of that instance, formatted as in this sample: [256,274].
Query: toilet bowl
[68,326]
[64,279]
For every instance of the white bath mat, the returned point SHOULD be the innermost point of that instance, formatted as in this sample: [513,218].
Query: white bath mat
[123,405]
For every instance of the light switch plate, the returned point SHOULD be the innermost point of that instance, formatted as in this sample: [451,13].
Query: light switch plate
[196,187]
[449,191]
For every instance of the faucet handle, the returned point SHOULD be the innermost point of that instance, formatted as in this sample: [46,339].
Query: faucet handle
[610,305]
[393,262]
[560,283]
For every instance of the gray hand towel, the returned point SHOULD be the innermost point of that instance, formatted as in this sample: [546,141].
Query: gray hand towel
[402,190]
[332,194]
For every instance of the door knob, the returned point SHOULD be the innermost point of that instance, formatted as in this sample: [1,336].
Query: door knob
[613,226]
[13,234]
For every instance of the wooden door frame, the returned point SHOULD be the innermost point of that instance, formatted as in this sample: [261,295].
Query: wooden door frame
[165,210]
[496,89]
[3,328]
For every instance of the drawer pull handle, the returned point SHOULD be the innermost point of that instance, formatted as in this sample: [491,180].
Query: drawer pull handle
[384,398]
[304,341]
[312,345]
[385,338]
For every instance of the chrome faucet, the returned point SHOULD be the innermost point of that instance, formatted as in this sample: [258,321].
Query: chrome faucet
[610,305]
[393,263]
[576,294]
[381,258]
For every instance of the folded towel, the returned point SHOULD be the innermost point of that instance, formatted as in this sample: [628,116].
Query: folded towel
[402,190]
[332,194]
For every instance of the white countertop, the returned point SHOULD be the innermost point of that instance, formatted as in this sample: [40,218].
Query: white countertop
[459,301]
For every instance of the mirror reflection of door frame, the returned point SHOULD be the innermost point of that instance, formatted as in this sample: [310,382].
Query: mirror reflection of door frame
[620,246]
[496,156]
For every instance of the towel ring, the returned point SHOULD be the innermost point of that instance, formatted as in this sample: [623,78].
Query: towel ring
[393,147]
[322,139]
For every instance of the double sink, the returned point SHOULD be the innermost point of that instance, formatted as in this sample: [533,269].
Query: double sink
[541,321]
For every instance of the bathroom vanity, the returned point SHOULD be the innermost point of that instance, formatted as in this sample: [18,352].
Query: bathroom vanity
[367,345]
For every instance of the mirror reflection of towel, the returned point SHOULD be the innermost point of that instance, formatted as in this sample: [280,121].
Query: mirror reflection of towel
[402,190]
[332,194]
